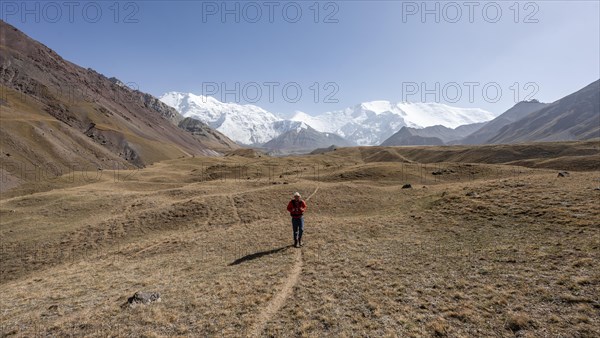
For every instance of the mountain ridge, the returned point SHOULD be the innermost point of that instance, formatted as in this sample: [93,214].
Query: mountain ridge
[370,123]
[367,123]
[434,135]
[515,113]
[58,114]
[571,118]
[303,139]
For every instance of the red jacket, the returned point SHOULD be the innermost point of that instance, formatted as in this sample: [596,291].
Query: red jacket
[296,208]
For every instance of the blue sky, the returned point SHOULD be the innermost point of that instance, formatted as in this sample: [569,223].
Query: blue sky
[347,52]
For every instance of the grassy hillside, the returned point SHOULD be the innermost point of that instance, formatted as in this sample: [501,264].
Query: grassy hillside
[473,250]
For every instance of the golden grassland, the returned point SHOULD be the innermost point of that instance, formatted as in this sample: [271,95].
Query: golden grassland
[476,250]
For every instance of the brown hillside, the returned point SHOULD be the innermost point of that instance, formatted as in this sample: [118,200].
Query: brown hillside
[57,114]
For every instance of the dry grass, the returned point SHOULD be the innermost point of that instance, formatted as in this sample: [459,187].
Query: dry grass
[517,257]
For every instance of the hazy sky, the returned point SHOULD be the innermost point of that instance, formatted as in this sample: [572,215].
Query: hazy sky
[336,53]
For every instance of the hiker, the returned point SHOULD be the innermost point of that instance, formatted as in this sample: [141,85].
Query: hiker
[296,207]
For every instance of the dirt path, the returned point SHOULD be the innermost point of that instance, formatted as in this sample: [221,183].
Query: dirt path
[278,300]
[314,192]
[152,246]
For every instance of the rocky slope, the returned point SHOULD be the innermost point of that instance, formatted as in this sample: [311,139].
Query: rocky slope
[58,115]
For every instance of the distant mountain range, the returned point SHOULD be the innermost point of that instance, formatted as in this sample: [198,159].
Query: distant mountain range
[435,135]
[303,139]
[364,124]
[371,123]
[574,117]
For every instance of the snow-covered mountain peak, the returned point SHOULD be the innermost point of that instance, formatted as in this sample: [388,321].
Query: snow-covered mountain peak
[377,107]
[367,123]
[429,114]
[300,115]
[246,124]
[301,126]
[370,123]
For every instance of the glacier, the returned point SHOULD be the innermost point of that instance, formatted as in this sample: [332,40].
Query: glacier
[367,123]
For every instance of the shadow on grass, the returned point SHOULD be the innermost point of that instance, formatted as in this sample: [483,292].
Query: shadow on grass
[259,255]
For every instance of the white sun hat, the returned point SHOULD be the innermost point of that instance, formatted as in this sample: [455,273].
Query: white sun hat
[296,194]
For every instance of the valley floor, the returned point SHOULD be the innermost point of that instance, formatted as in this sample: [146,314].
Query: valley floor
[474,251]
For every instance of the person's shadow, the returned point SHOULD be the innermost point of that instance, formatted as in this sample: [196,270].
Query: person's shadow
[258,255]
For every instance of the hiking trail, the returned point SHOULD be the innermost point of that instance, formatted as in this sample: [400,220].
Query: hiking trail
[279,298]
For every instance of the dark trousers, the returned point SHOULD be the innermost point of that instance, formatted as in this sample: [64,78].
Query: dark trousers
[298,226]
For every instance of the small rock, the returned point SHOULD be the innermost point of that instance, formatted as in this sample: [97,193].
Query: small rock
[143,298]
[442,172]
[53,310]
[472,194]
[564,174]
[407,186]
